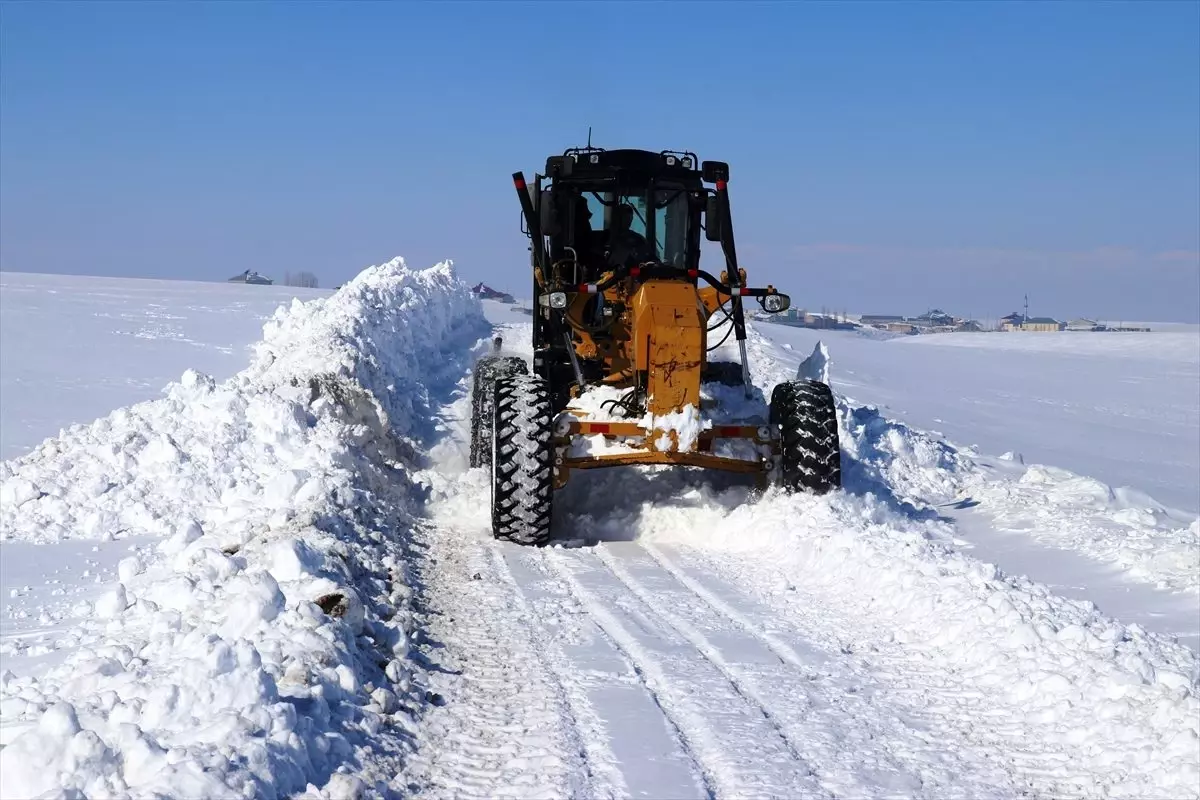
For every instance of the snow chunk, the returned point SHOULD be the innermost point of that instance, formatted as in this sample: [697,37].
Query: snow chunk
[686,424]
[113,603]
[816,366]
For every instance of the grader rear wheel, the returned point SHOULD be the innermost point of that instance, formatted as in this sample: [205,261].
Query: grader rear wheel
[487,371]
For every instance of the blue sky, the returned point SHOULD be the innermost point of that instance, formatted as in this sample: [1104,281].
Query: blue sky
[885,157]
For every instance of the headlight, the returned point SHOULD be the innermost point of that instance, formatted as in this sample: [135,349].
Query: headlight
[774,303]
[553,300]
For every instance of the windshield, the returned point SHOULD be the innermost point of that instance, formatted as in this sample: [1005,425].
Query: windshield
[670,226]
[669,213]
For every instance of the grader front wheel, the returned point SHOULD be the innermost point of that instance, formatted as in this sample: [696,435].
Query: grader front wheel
[810,453]
[522,460]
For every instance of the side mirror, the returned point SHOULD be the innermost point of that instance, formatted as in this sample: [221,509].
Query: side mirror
[548,214]
[713,219]
[560,166]
[715,171]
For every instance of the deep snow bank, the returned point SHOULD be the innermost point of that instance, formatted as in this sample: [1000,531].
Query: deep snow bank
[262,645]
[1121,705]
[1121,527]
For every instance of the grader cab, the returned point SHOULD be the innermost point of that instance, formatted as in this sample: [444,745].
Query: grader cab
[624,372]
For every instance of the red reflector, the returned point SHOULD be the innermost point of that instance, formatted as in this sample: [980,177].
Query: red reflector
[693,273]
[720,186]
[519,183]
[635,271]
[727,431]
[583,287]
[601,427]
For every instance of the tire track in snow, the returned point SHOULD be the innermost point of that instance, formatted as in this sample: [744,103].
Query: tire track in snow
[737,678]
[956,725]
[865,748]
[774,643]
[630,738]
[504,730]
[604,779]
[739,750]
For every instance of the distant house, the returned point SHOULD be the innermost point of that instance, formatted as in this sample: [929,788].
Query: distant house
[880,320]
[1042,324]
[935,317]
[1012,322]
[970,326]
[488,293]
[1084,324]
[250,276]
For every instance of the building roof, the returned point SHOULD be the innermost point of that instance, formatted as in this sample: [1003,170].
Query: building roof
[250,276]
[882,317]
[1041,321]
[1013,315]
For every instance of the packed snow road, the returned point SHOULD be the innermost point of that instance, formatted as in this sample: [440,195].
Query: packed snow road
[666,647]
[307,601]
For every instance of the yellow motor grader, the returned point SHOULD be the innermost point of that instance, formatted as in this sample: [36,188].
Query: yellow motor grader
[623,370]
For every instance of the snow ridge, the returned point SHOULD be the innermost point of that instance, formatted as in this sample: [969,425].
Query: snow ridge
[1154,544]
[260,645]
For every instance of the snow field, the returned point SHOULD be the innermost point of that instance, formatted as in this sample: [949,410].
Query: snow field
[1020,687]
[261,646]
[1176,346]
[74,347]
[308,601]
[1120,408]
[1120,527]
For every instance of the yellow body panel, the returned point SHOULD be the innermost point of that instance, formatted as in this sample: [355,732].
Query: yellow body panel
[668,343]
[659,328]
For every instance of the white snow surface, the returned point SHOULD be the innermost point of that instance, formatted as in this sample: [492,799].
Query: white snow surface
[1118,407]
[258,641]
[1116,526]
[75,347]
[684,637]
[690,639]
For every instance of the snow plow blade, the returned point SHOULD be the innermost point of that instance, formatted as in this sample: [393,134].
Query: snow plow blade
[654,446]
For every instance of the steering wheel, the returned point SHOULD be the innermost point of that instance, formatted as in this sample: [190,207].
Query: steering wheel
[637,249]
